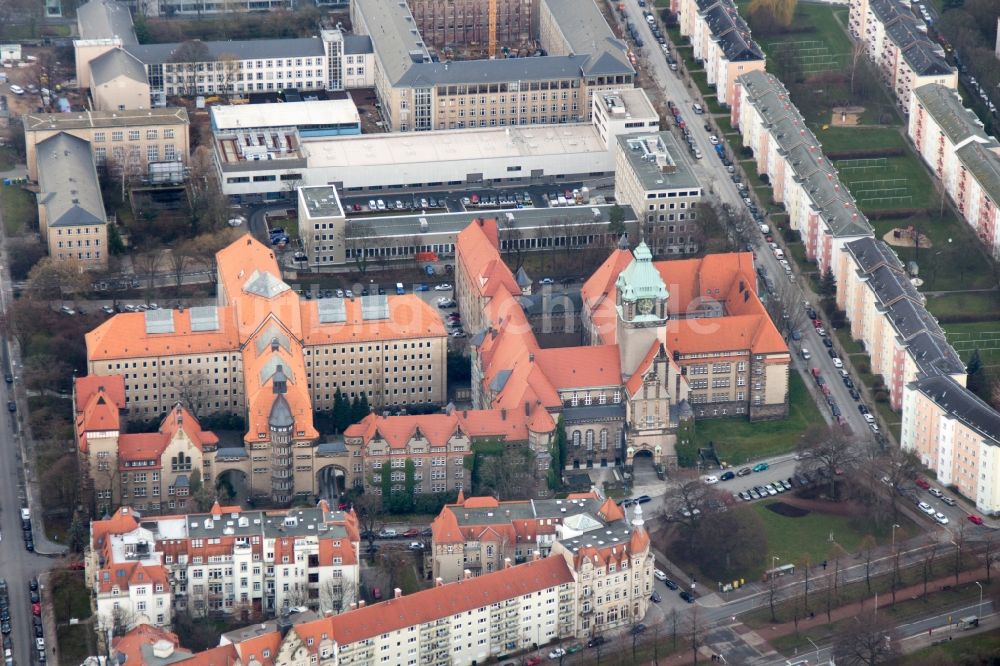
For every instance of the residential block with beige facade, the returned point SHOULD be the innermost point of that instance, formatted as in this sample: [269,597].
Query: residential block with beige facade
[130,140]
[227,560]
[952,141]
[721,41]
[802,179]
[951,430]
[267,355]
[897,42]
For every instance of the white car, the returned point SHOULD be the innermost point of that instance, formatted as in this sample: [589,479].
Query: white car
[442,287]
[659,575]
[837,363]
[941,518]
[937,493]
[714,140]
[821,332]
[747,201]
[869,418]
[558,653]
[710,480]
[926,508]
[17,90]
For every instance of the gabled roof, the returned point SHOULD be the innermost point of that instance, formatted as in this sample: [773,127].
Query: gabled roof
[136,647]
[581,367]
[449,599]
[477,251]
[945,106]
[108,66]
[99,401]
[67,180]
[105,19]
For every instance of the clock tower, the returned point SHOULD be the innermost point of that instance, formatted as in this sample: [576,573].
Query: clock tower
[642,308]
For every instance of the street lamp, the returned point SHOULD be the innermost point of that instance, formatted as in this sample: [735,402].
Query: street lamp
[815,646]
[979,610]
[894,535]
[773,559]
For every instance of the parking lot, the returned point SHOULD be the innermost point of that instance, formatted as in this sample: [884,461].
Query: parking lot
[463,200]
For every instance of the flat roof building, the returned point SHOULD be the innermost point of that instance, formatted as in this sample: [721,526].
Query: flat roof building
[653,176]
[332,117]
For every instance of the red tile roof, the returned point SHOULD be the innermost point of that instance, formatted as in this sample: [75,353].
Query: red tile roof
[223,655]
[130,645]
[446,600]
[438,429]
[99,401]
[256,647]
[150,446]
[113,387]
[477,252]
[581,367]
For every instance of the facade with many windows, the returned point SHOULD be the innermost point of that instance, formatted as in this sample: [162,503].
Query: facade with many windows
[227,560]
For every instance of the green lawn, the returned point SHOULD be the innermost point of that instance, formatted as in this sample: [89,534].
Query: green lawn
[737,440]
[887,183]
[70,597]
[983,335]
[19,209]
[835,139]
[981,648]
[792,538]
[946,266]
[987,305]
[76,643]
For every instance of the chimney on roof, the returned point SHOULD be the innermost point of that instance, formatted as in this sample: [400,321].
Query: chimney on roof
[535,556]
[465,413]
[527,408]
[361,603]
[397,593]
[503,414]
[531,357]
[354,606]
[479,221]
[507,564]
[466,575]
[438,582]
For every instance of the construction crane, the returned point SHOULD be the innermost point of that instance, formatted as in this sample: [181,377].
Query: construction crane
[492,29]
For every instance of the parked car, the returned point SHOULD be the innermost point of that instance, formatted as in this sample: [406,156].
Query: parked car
[659,575]
[727,475]
[935,492]
[687,596]
[595,641]
[760,467]
[743,471]
[671,585]
[926,508]
[974,519]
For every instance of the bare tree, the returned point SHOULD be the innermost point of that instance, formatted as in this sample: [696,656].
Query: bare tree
[959,548]
[369,510]
[867,641]
[694,631]
[357,237]
[868,545]
[179,258]
[805,563]
[147,264]
[989,553]
[188,386]
[830,452]
[837,554]
[336,595]
[928,566]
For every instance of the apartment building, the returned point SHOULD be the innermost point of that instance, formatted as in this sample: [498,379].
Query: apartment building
[228,560]
[417,94]
[131,140]
[200,8]
[897,42]
[626,393]
[802,179]
[653,176]
[479,534]
[467,22]
[71,216]
[887,315]
[142,470]
[951,140]
[439,446]
[957,435]
[722,42]
[593,580]
[266,355]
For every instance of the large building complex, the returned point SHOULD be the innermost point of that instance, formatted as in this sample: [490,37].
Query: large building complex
[267,355]
[721,41]
[418,94]
[140,142]
[228,560]
[266,163]
[897,42]
[802,179]
[966,160]
[71,214]
[662,350]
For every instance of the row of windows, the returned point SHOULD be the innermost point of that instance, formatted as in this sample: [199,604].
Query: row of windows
[133,135]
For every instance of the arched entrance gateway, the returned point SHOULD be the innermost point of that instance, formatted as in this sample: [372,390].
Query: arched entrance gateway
[331,483]
[232,486]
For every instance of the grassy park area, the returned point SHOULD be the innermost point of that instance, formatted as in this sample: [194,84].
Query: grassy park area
[737,440]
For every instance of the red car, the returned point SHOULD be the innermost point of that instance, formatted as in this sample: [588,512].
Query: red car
[922,483]
[533,661]
[412,532]
[975,520]
[36,609]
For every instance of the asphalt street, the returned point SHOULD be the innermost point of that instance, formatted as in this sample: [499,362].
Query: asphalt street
[17,565]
